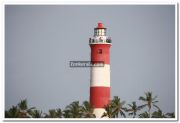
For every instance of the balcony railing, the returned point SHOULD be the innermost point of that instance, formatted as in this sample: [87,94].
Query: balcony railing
[94,41]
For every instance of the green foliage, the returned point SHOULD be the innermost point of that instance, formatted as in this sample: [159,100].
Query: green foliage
[149,101]
[116,108]
[54,113]
[144,115]
[74,110]
[36,114]
[170,115]
[19,111]
[133,109]
[158,114]
[12,112]
[87,110]
[109,111]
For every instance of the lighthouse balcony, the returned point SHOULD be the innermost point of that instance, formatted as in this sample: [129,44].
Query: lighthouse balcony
[100,41]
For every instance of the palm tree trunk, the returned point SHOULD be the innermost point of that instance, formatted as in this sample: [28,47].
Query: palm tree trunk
[149,112]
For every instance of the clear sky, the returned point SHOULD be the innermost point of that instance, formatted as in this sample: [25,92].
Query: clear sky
[41,40]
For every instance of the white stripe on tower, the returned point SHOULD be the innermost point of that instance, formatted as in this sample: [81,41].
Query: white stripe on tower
[100,76]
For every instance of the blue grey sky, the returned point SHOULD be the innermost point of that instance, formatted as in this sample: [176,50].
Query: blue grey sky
[40,40]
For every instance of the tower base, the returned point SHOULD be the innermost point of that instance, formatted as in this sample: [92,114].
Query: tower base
[99,112]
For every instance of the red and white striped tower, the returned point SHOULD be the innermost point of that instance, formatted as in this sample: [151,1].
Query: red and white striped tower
[100,76]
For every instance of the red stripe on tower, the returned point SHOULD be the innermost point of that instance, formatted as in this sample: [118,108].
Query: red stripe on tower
[100,52]
[99,96]
[100,76]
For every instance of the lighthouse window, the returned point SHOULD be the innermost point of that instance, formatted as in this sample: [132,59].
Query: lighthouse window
[99,51]
[102,31]
[99,32]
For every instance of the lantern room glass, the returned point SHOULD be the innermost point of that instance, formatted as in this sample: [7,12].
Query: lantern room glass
[99,32]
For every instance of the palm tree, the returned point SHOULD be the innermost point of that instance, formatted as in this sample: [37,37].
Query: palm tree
[109,111]
[115,108]
[66,114]
[133,109]
[51,114]
[118,106]
[87,110]
[158,114]
[13,112]
[24,111]
[36,114]
[19,111]
[74,110]
[149,101]
[144,115]
[170,115]
[54,113]
[59,113]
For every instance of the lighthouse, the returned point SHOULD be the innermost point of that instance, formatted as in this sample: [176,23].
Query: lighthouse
[100,75]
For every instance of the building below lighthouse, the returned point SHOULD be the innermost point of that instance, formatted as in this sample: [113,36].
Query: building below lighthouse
[100,76]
